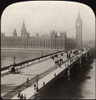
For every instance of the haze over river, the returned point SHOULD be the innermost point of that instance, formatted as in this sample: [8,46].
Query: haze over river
[21,55]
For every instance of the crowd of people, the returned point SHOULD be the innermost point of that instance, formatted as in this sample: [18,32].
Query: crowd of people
[70,55]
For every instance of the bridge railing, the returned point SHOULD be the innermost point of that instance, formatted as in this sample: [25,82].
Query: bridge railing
[31,60]
[27,61]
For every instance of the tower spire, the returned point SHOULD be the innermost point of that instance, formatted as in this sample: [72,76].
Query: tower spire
[79,16]
[23,23]
[23,30]
[79,31]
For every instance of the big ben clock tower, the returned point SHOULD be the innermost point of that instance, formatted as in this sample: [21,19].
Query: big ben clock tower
[79,31]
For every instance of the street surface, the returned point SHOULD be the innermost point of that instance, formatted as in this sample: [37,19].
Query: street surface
[11,81]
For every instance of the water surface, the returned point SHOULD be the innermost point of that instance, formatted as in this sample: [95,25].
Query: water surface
[21,55]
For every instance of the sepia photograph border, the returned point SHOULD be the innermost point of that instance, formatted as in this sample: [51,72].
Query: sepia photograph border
[90,3]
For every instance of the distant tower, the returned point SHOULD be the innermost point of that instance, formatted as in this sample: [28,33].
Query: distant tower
[37,35]
[2,35]
[15,33]
[53,39]
[24,31]
[78,31]
[62,40]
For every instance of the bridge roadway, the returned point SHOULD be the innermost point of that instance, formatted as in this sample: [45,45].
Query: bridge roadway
[11,81]
[14,80]
[30,91]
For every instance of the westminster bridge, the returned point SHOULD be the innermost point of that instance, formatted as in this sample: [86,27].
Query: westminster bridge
[29,79]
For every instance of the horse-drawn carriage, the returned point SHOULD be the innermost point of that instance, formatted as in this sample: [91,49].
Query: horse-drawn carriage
[13,70]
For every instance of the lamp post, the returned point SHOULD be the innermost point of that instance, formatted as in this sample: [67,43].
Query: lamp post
[13,68]
[37,79]
[42,53]
[14,59]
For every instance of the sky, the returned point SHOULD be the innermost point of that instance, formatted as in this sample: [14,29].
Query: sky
[44,16]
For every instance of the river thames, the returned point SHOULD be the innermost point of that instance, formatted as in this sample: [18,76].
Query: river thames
[21,55]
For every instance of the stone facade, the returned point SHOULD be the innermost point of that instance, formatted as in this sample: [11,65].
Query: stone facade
[45,41]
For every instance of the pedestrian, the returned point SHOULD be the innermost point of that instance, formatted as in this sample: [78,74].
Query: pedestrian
[60,65]
[43,83]
[55,74]
[37,89]
[65,65]
[24,97]
[37,78]
[27,81]
[19,94]
[34,86]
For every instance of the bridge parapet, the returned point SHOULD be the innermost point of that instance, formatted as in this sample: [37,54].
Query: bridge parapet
[20,65]
[44,81]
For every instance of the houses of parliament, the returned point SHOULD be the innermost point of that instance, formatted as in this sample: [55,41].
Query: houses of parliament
[44,41]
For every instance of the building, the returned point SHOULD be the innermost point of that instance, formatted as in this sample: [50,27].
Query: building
[62,41]
[58,42]
[24,33]
[44,41]
[78,31]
